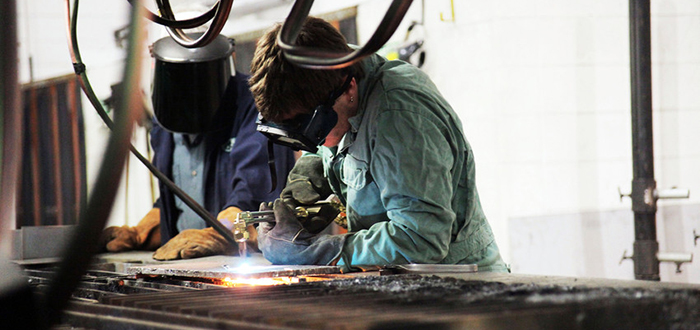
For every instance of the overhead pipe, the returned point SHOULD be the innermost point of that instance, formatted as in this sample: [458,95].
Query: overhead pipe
[646,247]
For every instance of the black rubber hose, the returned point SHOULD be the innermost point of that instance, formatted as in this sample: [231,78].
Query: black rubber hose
[220,18]
[314,58]
[181,24]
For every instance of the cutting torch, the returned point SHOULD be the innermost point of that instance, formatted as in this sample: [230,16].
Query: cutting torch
[246,218]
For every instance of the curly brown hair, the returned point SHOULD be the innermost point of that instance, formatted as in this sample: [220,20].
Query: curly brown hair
[280,87]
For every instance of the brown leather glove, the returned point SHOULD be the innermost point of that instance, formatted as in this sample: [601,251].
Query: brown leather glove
[194,243]
[144,236]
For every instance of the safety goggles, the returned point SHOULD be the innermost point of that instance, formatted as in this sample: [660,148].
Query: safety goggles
[305,131]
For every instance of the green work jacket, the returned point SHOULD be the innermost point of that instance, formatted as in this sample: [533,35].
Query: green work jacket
[406,174]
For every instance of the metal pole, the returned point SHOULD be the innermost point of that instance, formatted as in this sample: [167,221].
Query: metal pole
[646,264]
[10,115]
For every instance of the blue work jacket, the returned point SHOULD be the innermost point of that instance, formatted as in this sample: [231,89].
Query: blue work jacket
[236,171]
[407,176]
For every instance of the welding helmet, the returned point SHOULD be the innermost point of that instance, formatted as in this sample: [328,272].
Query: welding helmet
[305,131]
[190,85]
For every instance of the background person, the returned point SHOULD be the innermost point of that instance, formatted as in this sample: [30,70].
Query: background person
[225,169]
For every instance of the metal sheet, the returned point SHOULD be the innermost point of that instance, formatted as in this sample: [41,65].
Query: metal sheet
[437,268]
[233,267]
[34,242]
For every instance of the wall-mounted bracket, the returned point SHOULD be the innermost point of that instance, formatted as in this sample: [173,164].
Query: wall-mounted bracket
[655,194]
[679,258]
[624,256]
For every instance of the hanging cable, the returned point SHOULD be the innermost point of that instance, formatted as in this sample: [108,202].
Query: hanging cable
[314,58]
[222,11]
[181,24]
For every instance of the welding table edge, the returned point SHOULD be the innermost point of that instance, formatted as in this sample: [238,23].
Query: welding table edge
[508,278]
[591,282]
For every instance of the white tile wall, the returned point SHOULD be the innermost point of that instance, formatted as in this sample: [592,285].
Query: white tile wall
[543,88]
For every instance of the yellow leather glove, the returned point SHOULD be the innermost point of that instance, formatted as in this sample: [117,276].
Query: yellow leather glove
[144,236]
[231,213]
[194,243]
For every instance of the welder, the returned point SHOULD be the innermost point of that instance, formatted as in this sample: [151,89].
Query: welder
[380,136]
[205,140]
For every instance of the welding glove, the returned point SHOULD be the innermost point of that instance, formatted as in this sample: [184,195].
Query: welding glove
[195,243]
[306,183]
[289,243]
[317,222]
[144,236]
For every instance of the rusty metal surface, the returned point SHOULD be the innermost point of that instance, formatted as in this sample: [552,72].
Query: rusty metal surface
[223,267]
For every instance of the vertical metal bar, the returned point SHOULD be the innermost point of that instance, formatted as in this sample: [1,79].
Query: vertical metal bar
[126,189]
[35,157]
[83,244]
[56,147]
[646,264]
[10,115]
[75,143]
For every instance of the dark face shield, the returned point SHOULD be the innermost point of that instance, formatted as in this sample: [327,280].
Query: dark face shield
[306,131]
[189,85]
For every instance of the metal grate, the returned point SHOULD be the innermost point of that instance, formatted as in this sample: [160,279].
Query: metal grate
[109,300]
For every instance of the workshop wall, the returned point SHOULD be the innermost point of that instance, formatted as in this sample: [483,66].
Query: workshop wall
[543,90]
[44,54]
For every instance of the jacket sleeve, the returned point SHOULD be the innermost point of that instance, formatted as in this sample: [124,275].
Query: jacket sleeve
[156,139]
[412,173]
[251,178]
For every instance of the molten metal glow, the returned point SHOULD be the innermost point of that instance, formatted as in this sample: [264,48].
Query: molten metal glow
[234,282]
[244,281]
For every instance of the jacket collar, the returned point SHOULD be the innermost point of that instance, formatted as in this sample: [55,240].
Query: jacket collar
[371,66]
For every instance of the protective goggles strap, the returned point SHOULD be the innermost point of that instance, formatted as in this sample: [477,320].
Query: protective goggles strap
[338,92]
[271,164]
